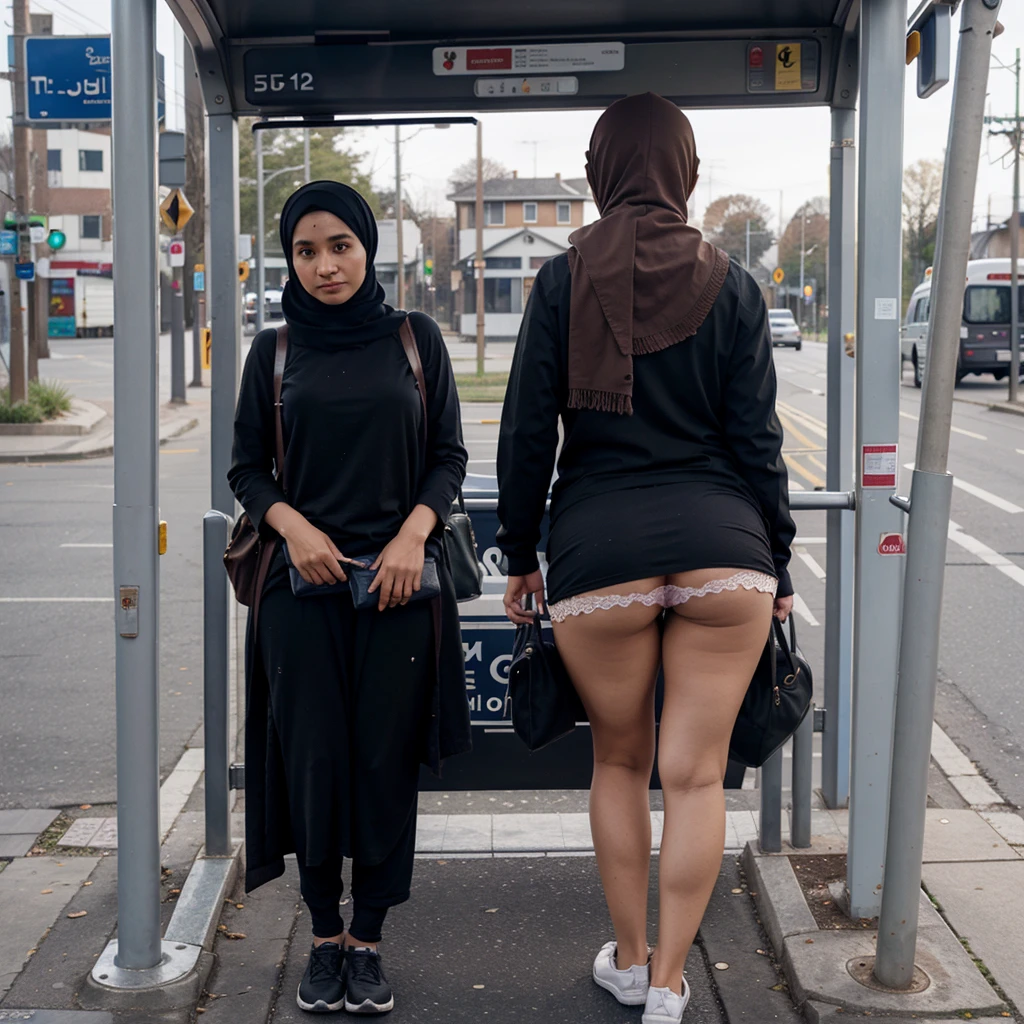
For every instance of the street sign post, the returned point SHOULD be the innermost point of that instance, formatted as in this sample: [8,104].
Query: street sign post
[176,252]
[176,211]
[25,271]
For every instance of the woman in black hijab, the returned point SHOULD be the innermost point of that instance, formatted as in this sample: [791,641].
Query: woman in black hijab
[343,704]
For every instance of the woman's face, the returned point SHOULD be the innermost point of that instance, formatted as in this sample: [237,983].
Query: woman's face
[330,261]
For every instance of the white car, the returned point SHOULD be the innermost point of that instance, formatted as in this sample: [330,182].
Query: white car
[784,328]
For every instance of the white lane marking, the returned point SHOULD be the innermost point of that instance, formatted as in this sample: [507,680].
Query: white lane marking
[1020,451]
[811,540]
[805,419]
[805,613]
[980,492]
[55,600]
[956,430]
[985,553]
[812,563]
[108,545]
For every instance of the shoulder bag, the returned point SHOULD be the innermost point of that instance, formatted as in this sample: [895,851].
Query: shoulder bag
[459,539]
[778,698]
[248,555]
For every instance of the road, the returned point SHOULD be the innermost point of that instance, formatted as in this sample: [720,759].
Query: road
[56,655]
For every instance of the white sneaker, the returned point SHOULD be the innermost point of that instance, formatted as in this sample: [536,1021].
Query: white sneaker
[664,1006]
[628,986]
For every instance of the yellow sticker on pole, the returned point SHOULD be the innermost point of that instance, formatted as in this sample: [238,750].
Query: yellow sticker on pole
[787,66]
[207,348]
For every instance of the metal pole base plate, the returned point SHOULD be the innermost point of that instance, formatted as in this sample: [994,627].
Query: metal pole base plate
[861,969]
[176,961]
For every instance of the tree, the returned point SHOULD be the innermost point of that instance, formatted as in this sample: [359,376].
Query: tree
[329,158]
[725,225]
[464,176]
[814,214]
[386,201]
[922,189]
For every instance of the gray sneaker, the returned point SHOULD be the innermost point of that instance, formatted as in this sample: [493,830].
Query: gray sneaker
[664,1006]
[628,986]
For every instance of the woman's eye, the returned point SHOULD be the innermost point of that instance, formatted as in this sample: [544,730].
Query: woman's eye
[340,247]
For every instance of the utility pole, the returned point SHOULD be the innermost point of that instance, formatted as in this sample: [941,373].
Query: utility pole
[260,233]
[1014,133]
[305,155]
[399,234]
[19,347]
[479,263]
[747,263]
[800,297]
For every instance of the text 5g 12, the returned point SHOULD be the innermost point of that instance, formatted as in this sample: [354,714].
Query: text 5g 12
[301,81]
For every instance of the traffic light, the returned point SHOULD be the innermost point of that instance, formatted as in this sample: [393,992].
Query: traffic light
[428,267]
[56,239]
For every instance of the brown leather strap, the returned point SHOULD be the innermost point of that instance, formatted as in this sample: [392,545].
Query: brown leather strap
[279,361]
[412,353]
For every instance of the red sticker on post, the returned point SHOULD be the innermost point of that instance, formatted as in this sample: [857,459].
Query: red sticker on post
[878,465]
[892,544]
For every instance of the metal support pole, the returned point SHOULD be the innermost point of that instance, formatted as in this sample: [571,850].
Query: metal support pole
[803,760]
[198,323]
[399,225]
[1015,246]
[225,302]
[878,578]
[261,229]
[178,339]
[839,566]
[216,683]
[929,514]
[305,156]
[479,263]
[136,571]
[770,831]
[18,369]
[803,232]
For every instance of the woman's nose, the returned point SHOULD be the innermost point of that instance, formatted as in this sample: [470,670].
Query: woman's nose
[327,268]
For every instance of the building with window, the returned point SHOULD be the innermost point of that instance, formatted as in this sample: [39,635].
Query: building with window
[527,221]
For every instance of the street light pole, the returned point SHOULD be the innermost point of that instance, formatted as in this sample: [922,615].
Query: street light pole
[800,297]
[1015,246]
[260,233]
[479,263]
[399,233]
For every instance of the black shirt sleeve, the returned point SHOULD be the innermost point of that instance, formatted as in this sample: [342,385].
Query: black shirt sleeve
[528,439]
[752,427]
[446,454]
[252,454]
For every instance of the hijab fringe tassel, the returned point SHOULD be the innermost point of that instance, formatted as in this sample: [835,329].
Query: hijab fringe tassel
[600,401]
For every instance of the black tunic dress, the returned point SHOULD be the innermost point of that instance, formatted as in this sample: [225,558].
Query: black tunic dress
[332,757]
[694,479]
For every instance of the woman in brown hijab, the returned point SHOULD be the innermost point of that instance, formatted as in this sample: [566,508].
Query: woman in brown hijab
[670,527]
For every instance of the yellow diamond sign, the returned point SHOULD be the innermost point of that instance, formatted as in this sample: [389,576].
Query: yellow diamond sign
[779,275]
[175,210]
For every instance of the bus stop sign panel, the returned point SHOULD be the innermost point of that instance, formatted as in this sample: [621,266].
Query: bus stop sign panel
[777,66]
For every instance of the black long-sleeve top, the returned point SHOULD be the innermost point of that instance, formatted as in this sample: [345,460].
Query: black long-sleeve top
[352,416]
[704,410]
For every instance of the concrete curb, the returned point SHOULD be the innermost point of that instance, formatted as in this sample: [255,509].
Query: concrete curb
[994,406]
[816,962]
[169,431]
[83,418]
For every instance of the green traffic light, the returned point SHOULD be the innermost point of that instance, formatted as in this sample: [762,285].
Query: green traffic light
[56,239]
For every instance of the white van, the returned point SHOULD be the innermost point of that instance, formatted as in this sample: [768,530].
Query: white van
[984,329]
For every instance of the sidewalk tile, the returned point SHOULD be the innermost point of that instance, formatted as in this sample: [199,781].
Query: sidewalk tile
[983,904]
[823,824]
[514,832]
[1009,825]
[975,790]
[746,825]
[576,834]
[16,846]
[962,836]
[430,832]
[34,820]
[82,832]
[467,833]
[106,838]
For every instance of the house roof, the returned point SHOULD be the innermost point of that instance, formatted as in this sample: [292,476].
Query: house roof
[518,234]
[526,188]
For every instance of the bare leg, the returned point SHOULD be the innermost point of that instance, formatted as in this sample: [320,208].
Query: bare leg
[613,658]
[710,649]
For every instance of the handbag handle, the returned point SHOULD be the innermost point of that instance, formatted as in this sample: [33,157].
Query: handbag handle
[780,640]
[280,355]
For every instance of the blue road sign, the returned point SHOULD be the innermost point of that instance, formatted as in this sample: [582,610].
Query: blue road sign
[67,80]
[199,280]
[25,271]
[8,243]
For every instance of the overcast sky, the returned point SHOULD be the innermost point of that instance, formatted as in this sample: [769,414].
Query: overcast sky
[759,152]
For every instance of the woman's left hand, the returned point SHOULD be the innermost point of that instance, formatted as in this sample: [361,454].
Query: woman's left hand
[783,608]
[400,567]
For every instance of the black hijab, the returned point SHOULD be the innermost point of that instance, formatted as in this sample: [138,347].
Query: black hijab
[365,317]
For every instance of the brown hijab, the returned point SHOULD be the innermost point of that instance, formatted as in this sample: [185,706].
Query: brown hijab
[642,278]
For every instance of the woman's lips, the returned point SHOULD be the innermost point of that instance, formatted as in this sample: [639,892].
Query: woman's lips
[333,286]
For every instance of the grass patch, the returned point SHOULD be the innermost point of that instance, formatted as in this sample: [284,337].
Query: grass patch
[47,399]
[488,387]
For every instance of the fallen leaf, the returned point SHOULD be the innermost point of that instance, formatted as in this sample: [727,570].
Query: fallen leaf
[31,951]
[85,807]
[87,883]
[45,892]
[762,952]
[241,906]
[222,927]
[174,892]
[234,935]
[200,1009]
[478,986]
[78,913]
[721,966]
[493,910]
[737,892]
[809,942]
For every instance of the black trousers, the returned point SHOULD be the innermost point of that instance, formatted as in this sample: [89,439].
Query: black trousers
[350,707]
[375,888]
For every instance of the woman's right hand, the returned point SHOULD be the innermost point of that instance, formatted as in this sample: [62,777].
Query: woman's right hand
[517,589]
[312,552]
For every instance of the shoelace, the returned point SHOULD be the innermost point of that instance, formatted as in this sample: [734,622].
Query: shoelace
[365,968]
[323,963]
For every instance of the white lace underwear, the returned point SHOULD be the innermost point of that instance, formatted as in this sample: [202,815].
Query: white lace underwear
[664,597]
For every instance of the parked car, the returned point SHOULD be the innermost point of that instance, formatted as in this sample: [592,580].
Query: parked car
[271,306]
[984,325]
[784,328]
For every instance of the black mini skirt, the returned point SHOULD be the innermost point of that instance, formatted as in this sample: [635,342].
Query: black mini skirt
[641,532]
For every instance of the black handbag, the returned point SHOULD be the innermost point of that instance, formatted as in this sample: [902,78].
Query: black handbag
[460,545]
[542,701]
[778,698]
[459,540]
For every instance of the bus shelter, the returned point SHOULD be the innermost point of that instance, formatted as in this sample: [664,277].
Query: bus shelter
[395,58]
